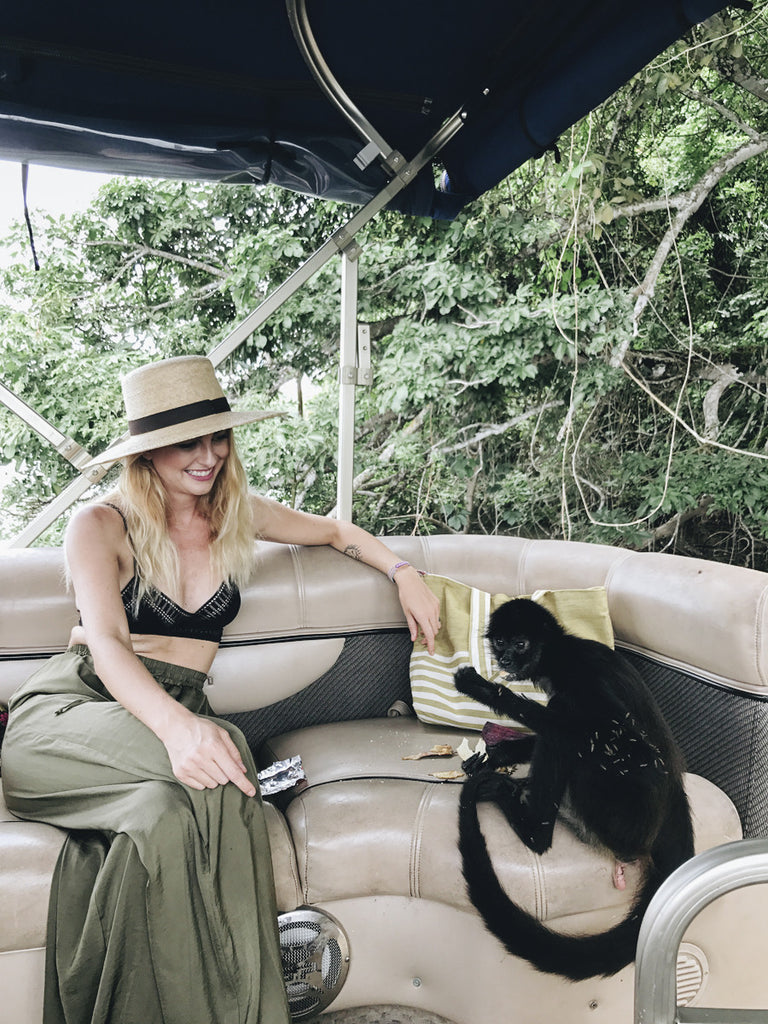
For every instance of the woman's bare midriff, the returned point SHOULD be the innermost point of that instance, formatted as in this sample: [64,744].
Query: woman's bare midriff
[177,650]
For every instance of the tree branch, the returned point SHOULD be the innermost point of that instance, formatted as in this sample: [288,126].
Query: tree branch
[688,203]
[722,377]
[672,525]
[494,429]
[736,69]
[708,101]
[137,251]
[368,475]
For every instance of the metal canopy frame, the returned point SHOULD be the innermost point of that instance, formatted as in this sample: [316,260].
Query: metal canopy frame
[354,358]
[688,891]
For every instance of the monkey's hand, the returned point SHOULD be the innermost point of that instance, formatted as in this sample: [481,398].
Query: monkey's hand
[475,763]
[468,680]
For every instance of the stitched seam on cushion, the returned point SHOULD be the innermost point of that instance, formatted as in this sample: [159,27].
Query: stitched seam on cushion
[538,884]
[521,567]
[301,590]
[294,867]
[305,887]
[759,636]
[426,555]
[417,835]
[613,569]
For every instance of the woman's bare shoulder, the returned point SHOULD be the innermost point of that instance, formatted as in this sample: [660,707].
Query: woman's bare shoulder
[96,526]
[98,514]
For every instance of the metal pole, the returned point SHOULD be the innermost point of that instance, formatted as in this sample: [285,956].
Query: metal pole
[347,385]
[66,447]
[376,146]
[682,896]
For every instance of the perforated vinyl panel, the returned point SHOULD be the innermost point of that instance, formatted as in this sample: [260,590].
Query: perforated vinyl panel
[370,673]
[723,735]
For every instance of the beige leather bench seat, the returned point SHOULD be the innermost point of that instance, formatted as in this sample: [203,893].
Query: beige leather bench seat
[371,840]
[368,823]
[29,854]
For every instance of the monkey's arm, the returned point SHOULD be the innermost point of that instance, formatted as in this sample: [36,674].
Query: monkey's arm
[501,754]
[501,700]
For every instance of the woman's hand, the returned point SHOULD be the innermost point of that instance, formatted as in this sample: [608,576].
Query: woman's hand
[204,756]
[421,607]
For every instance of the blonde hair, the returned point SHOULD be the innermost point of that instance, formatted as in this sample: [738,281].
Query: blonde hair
[143,500]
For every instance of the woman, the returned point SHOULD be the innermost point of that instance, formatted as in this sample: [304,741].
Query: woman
[162,907]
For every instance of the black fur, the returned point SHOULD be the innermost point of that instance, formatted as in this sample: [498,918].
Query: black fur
[602,757]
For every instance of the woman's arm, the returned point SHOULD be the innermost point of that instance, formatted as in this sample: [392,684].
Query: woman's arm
[201,754]
[276,522]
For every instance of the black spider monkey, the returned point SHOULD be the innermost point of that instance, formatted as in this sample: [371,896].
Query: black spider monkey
[602,757]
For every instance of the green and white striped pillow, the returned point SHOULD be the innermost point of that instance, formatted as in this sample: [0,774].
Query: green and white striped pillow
[464,614]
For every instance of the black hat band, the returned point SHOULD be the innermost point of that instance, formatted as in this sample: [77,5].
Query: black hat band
[181,414]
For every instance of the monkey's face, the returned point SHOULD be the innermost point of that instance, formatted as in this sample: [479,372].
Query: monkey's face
[518,633]
[516,655]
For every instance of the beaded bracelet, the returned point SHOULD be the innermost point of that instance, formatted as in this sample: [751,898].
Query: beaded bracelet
[393,570]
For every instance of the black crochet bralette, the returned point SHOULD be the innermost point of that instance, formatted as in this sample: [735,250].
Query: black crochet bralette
[158,615]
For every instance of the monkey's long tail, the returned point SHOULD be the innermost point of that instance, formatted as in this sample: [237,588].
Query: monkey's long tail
[572,956]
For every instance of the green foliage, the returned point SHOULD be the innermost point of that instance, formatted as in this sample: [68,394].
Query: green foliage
[517,388]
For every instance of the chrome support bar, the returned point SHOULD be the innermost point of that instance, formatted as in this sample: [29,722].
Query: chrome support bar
[710,1015]
[64,445]
[340,241]
[345,470]
[691,888]
[64,500]
[376,146]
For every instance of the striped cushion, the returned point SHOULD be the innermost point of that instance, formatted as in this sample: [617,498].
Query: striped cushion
[464,613]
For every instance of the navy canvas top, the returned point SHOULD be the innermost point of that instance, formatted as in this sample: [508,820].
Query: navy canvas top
[222,93]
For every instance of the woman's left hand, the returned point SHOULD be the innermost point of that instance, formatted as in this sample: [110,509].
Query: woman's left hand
[421,607]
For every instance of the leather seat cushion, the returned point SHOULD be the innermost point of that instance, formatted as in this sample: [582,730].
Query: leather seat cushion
[368,822]
[29,854]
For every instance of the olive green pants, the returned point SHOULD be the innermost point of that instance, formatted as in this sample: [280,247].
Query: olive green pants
[162,909]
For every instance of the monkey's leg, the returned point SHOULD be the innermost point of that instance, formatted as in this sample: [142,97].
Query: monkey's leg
[502,754]
[507,752]
[529,805]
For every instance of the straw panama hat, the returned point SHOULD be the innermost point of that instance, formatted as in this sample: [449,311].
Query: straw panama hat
[174,400]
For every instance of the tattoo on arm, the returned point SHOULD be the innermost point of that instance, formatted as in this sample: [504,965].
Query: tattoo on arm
[353,551]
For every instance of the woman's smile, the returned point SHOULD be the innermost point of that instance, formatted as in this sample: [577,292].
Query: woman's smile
[202,474]
[198,461]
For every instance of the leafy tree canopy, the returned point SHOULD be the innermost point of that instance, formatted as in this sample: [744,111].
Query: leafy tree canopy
[582,353]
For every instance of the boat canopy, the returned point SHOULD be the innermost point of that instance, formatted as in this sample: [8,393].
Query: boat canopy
[228,90]
[413,105]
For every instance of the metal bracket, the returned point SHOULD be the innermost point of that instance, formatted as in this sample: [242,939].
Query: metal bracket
[346,243]
[364,371]
[367,155]
[361,374]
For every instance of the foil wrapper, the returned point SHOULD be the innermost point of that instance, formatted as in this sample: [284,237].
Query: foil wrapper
[281,775]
